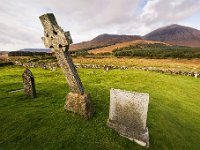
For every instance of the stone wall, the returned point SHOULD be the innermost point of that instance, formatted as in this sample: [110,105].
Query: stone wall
[54,65]
[5,64]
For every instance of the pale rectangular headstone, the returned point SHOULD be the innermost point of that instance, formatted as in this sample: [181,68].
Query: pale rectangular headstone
[128,115]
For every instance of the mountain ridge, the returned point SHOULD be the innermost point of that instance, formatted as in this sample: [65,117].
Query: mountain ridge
[172,34]
[103,40]
[176,34]
[35,50]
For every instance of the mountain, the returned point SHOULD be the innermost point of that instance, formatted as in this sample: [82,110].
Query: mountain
[104,40]
[176,35]
[173,34]
[35,50]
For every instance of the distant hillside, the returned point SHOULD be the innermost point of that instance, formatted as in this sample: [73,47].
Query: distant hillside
[35,50]
[176,35]
[3,53]
[109,49]
[104,40]
[157,50]
[31,52]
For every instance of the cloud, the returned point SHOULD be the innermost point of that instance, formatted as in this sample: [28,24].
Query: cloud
[20,23]
[157,13]
[168,11]
[20,26]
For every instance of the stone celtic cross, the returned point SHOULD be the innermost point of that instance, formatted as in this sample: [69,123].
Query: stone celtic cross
[58,41]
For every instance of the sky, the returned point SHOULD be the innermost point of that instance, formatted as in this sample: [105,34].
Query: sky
[20,26]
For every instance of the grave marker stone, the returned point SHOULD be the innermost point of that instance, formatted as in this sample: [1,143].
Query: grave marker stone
[59,41]
[128,115]
[29,83]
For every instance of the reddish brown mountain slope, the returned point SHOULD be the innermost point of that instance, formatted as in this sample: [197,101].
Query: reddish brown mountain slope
[104,40]
[177,35]
[109,49]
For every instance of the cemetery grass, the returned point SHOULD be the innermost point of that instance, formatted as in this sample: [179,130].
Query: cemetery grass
[42,123]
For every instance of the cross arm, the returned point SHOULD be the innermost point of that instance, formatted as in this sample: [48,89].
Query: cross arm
[54,35]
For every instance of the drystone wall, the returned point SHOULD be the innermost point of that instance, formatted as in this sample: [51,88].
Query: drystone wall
[52,66]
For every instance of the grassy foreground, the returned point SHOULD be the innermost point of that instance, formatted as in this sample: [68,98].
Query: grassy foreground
[42,123]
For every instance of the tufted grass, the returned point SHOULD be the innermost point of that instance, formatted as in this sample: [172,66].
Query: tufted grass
[42,123]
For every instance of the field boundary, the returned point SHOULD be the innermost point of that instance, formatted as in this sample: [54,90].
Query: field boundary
[52,66]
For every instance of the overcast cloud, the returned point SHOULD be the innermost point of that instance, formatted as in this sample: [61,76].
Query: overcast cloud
[20,26]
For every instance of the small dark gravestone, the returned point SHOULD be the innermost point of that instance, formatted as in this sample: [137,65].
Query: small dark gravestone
[29,83]
[55,38]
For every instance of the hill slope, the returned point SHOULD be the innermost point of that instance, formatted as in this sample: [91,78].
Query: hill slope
[176,34]
[109,49]
[3,53]
[104,40]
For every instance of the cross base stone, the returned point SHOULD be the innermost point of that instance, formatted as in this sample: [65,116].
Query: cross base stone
[80,104]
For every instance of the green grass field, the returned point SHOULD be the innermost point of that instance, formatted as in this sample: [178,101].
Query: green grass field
[42,123]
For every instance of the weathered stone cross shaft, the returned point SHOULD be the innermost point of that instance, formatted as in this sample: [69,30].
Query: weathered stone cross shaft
[59,41]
